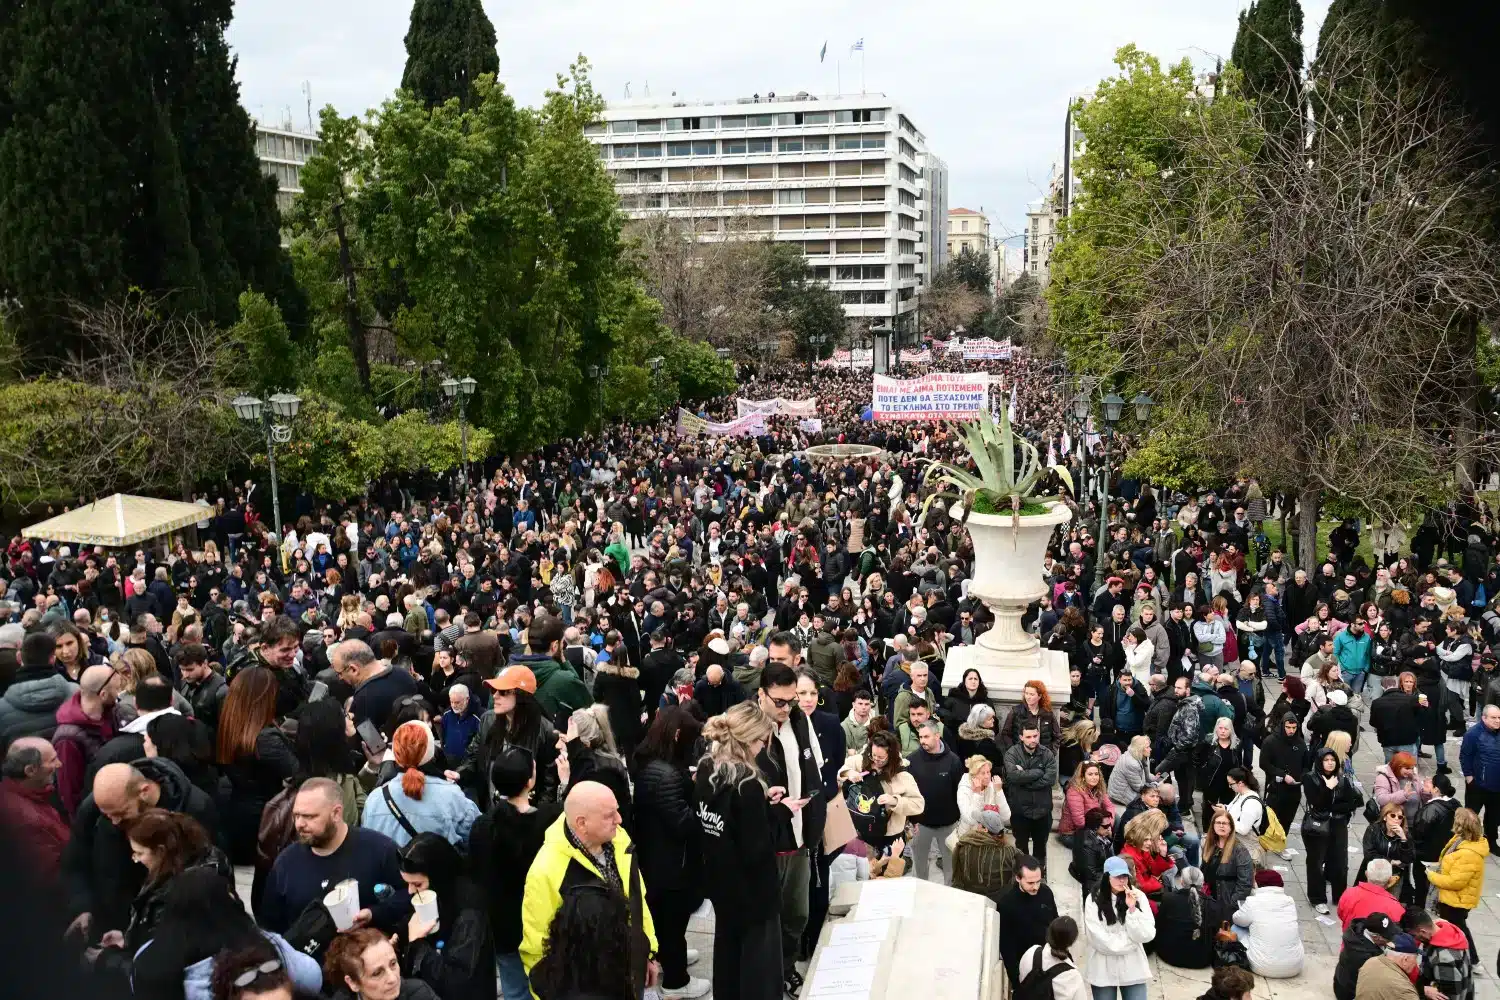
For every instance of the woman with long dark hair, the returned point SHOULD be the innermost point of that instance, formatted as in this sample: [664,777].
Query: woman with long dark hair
[455,954]
[324,732]
[1119,923]
[201,925]
[588,954]
[514,719]
[256,756]
[667,836]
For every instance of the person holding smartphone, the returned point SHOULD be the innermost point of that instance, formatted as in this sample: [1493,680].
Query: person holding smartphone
[1118,922]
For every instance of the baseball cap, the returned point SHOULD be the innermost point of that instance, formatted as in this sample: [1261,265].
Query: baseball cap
[1338,697]
[1381,924]
[1405,944]
[1116,866]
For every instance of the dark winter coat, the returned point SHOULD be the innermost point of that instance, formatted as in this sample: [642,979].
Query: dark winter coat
[502,844]
[98,874]
[666,829]
[29,705]
[619,687]
[739,837]
[1396,718]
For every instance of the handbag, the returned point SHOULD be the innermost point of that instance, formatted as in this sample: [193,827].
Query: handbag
[1372,811]
[838,828]
[1316,824]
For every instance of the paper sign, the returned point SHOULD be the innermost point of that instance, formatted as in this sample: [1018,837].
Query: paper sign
[857,981]
[1328,921]
[838,957]
[859,932]
[894,897]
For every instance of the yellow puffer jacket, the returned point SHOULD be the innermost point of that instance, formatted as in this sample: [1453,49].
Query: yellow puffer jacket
[1460,875]
[557,865]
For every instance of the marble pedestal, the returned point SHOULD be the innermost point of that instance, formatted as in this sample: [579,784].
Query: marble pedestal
[1006,673]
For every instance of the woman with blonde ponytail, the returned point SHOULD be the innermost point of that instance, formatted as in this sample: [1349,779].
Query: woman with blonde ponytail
[414,802]
[739,859]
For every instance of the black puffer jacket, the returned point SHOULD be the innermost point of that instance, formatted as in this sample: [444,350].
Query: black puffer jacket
[98,875]
[1281,755]
[1396,717]
[667,831]
[146,910]
[1341,801]
[474,775]
[619,687]
[1089,853]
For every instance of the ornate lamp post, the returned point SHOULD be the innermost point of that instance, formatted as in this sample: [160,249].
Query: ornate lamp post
[283,409]
[459,390]
[1114,406]
[815,341]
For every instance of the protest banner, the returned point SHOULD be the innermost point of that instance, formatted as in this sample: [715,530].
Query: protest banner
[940,396]
[778,407]
[691,424]
[812,425]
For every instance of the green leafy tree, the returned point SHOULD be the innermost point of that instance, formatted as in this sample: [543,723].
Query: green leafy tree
[449,46]
[270,357]
[972,270]
[700,373]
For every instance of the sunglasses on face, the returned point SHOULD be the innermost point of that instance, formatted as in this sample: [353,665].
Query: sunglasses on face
[783,702]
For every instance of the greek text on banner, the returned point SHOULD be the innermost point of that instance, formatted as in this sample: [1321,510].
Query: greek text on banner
[940,396]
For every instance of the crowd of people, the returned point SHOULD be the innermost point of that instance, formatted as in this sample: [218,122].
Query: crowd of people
[508,741]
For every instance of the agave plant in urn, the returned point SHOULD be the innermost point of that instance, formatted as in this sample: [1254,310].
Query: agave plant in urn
[1010,526]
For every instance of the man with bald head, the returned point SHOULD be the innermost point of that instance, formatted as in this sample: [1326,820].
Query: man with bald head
[27,801]
[328,851]
[717,692]
[377,684]
[586,846]
[98,874]
[85,722]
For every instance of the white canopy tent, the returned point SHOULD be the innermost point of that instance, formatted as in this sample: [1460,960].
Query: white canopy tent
[118,521]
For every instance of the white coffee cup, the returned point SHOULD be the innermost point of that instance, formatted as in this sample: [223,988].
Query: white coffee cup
[343,903]
[425,905]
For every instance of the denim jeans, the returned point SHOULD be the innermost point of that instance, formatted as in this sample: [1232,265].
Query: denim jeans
[1135,991]
[1391,751]
[1189,842]
[1275,653]
[513,982]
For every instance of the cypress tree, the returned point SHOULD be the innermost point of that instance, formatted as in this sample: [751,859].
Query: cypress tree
[1268,51]
[450,44]
[127,161]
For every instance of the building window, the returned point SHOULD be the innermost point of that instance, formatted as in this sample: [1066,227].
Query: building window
[735,172]
[648,177]
[619,128]
[648,149]
[874,298]
[817,143]
[625,152]
[648,125]
[847,142]
[758,121]
[874,142]
[814,118]
[819,169]
[734,147]
[732,121]
[679,149]
[594,128]
[705,147]
[794,196]
[789,145]
[758,146]
[761,171]
[964,227]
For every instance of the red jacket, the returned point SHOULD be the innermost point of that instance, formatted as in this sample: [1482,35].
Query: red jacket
[1363,899]
[76,740]
[37,825]
[1148,868]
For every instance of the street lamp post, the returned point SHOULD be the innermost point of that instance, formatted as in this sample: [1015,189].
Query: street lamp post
[815,341]
[459,390]
[1114,406]
[274,420]
[1082,404]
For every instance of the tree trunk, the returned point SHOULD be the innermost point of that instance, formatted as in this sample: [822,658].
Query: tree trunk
[1471,417]
[1308,501]
[356,329]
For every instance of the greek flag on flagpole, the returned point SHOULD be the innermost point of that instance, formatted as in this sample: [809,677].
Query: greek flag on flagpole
[858,46]
[824,53]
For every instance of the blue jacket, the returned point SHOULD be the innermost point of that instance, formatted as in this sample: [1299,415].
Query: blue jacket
[443,809]
[304,971]
[1480,757]
[1353,654]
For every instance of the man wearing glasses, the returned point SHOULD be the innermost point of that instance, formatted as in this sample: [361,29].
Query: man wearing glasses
[791,765]
[85,723]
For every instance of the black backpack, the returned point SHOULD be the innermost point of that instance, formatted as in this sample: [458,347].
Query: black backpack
[1037,984]
[868,816]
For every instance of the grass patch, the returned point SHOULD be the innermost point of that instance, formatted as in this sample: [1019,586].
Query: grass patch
[987,503]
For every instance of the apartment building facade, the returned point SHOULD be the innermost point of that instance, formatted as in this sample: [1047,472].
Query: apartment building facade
[846,179]
[282,153]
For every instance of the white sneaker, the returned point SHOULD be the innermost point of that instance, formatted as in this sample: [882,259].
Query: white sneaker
[1321,908]
[695,988]
[693,956]
[1478,969]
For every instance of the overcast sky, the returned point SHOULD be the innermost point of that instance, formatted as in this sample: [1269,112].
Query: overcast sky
[986,80]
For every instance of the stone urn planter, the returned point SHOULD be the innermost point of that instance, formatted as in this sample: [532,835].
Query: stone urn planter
[1008,557]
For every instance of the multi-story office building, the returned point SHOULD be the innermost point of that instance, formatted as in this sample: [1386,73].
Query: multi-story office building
[282,153]
[846,179]
[935,216]
[968,232]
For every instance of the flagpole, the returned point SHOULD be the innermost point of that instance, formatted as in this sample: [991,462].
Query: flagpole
[861,70]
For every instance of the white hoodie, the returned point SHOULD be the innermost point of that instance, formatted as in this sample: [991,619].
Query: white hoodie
[1275,942]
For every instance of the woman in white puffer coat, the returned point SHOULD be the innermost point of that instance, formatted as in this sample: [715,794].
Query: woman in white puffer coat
[1267,923]
[1119,924]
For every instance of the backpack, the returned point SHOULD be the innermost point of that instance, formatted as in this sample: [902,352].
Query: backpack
[1272,833]
[1037,984]
[868,816]
[1182,731]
